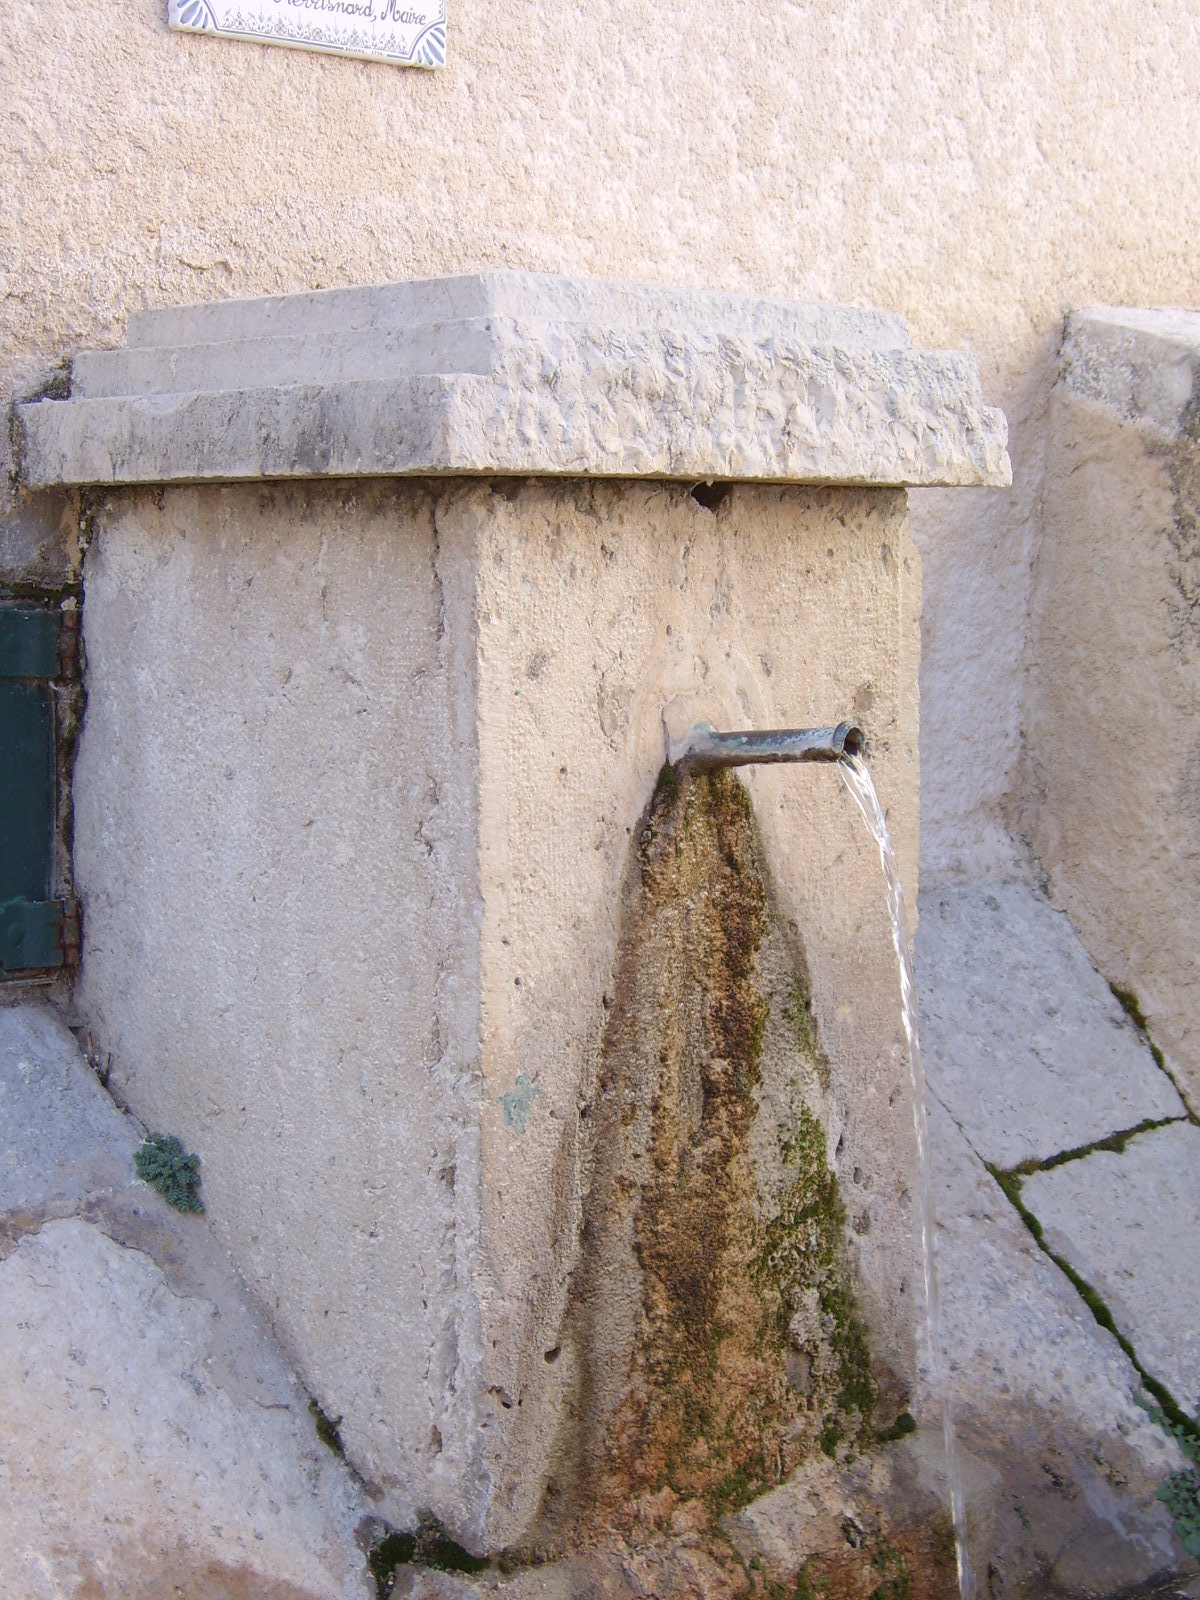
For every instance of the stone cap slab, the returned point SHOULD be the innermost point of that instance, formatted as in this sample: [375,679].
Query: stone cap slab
[506,373]
[1143,363]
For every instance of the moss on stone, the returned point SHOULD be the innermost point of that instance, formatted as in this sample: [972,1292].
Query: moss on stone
[904,1424]
[724,1256]
[802,1253]
[895,1582]
[666,790]
[1131,1005]
[428,1545]
[797,1008]
[385,1555]
[1173,1414]
[327,1429]
[435,1548]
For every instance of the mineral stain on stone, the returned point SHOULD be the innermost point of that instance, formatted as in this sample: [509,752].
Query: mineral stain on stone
[712,1323]
[516,1103]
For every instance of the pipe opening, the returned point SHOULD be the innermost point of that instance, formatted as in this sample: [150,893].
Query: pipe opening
[706,750]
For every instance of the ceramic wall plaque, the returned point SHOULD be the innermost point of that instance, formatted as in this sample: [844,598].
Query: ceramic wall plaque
[410,33]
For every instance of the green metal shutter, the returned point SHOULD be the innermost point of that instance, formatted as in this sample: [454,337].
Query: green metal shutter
[36,929]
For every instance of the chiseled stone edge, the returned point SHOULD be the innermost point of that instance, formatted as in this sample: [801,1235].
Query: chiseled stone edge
[1143,364]
[625,403]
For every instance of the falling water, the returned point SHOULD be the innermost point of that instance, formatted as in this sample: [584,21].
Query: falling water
[857,778]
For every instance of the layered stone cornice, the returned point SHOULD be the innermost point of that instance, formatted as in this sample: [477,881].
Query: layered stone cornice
[510,374]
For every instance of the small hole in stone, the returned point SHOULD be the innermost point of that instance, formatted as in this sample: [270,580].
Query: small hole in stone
[711,495]
[552,1356]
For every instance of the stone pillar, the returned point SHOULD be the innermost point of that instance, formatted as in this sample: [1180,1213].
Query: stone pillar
[395,602]
[1112,792]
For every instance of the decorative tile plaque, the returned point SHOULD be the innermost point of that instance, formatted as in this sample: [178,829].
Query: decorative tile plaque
[409,33]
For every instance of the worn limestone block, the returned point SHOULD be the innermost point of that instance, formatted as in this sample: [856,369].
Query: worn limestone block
[129,1469]
[1026,1049]
[1023,1040]
[1111,797]
[62,1140]
[1128,1222]
[354,808]
[153,1441]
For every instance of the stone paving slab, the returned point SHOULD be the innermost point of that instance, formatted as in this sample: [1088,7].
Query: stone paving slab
[1044,1397]
[152,1439]
[1129,1223]
[1023,1040]
[61,1136]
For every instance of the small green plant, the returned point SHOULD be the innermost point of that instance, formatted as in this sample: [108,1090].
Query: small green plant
[327,1429]
[163,1162]
[385,1555]
[1180,1492]
[904,1424]
[1181,1495]
[896,1584]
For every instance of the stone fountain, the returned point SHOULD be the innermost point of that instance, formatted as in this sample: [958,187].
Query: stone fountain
[518,1063]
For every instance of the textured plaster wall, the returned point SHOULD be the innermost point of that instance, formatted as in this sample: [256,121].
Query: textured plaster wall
[352,922]
[979,168]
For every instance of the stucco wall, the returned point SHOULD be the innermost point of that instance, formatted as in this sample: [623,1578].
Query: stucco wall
[980,169]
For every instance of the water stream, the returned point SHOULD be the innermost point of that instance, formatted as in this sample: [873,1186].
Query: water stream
[857,778]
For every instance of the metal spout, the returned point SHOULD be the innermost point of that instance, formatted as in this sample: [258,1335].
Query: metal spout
[705,750]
